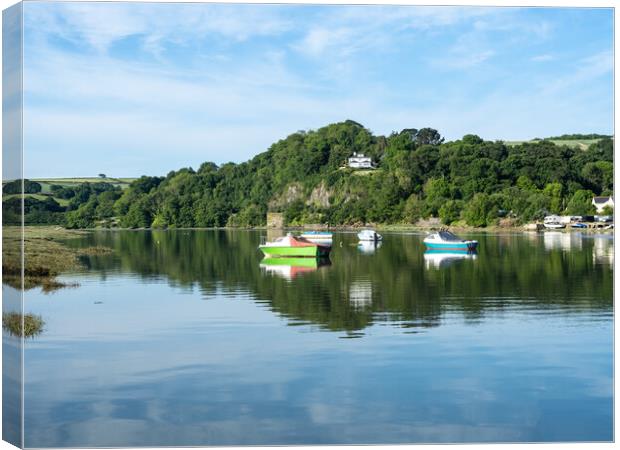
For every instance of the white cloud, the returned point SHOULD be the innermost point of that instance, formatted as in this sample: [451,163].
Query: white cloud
[100,26]
[586,70]
[221,103]
[542,58]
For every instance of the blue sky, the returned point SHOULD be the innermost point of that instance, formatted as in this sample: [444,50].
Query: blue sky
[135,88]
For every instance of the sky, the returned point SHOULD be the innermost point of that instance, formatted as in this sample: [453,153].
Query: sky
[130,89]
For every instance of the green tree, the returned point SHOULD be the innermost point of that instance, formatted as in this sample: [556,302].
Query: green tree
[478,211]
[554,192]
[581,203]
[450,211]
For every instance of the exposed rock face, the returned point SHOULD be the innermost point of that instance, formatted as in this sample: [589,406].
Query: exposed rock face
[275,220]
[319,196]
[293,191]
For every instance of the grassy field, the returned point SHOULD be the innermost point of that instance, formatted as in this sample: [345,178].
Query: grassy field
[46,186]
[61,201]
[46,183]
[579,143]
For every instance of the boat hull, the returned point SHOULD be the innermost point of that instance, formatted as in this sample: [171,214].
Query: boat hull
[452,246]
[314,251]
[320,240]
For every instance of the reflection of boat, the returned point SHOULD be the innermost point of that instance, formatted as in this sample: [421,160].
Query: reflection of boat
[441,258]
[360,294]
[318,237]
[565,241]
[368,247]
[445,240]
[289,268]
[603,250]
[369,235]
[291,246]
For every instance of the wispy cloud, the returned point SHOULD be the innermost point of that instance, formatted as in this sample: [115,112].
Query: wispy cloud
[177,84]
[85,23]
[586,71]
[542,58]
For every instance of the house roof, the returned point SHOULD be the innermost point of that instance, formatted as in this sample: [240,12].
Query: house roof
[602,199]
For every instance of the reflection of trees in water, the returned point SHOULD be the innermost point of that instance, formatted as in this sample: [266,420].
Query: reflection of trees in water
[397,286]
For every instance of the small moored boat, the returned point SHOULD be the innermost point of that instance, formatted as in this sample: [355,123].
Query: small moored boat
[554,225]
[579,225]
[369,235]
[447,241]
[291,246]
[318,237]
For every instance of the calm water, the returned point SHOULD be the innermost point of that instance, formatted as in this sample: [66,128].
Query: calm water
[184,338]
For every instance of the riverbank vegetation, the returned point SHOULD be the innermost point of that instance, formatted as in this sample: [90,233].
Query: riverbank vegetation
[45,256]
[469,181]
[26,325]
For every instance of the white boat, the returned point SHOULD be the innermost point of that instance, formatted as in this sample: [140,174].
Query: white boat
[447,241]
[318,237]
[554,225]
[369,235]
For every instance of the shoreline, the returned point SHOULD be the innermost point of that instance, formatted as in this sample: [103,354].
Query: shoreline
[352,229]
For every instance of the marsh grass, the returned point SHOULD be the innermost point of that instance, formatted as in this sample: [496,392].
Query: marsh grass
[45,256]
[26,325]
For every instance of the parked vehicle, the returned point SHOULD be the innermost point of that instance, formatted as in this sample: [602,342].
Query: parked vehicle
[604,219]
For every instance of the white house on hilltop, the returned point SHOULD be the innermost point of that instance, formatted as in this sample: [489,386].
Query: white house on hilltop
[360,161]
[600,203]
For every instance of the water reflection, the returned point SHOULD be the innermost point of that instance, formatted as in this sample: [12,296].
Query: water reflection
[603,250]
[566,241]
[360,294]
[230,263]
[199,342]
[369,247]
[290,268]
[439,259]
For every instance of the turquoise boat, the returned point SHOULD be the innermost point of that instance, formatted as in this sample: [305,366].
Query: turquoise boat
[447,241]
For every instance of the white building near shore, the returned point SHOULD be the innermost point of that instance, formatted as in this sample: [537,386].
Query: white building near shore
[601,202]
[360,161]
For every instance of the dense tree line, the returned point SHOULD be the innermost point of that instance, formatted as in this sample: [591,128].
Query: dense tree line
[15,187]
[304,177]
[578,137]
[48,211]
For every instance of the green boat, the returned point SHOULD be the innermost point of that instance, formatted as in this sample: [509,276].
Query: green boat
[291,246]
